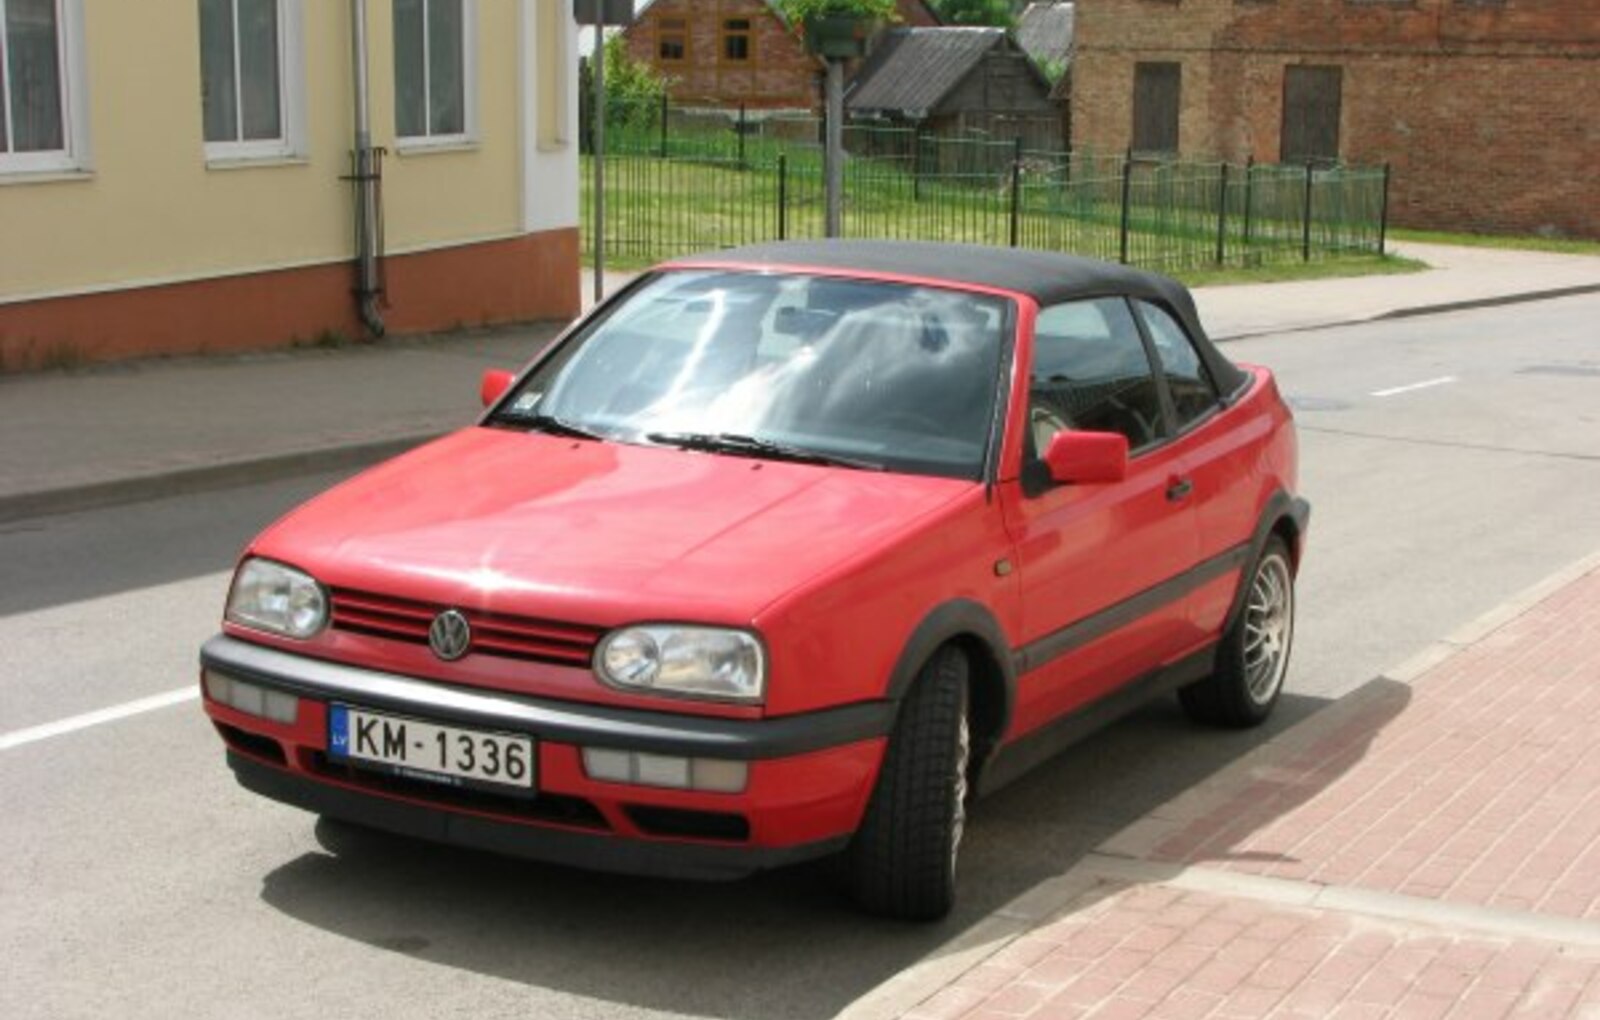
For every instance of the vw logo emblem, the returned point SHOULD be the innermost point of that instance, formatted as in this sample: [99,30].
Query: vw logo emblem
[450,635]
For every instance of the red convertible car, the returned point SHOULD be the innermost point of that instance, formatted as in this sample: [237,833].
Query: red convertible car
[782,552]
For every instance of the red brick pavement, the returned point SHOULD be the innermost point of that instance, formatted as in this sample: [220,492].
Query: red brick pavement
[1485,789]
[1477,785]
[1158,952]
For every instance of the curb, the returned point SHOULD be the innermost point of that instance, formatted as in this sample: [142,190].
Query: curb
[184,481]
[1488,302]
[1418,311]
[1116,861]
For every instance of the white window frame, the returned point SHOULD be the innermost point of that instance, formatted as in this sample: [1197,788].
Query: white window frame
[290,145]
[468,136]
[74,156]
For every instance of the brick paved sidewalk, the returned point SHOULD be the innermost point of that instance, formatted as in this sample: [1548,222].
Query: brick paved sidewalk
[1427,848]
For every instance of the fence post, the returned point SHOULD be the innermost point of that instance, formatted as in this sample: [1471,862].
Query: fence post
[665,109]
[742,127]
[783,196]
[1127,187]
[1383,213]
[1016,196]
[1222,215]
[1305,227]
[1249,197]
[916,162]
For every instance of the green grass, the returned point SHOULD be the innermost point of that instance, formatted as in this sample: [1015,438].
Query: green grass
[1561,245]
[1317,269]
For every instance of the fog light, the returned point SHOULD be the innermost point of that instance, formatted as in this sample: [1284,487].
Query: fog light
[712,775]
[251,699]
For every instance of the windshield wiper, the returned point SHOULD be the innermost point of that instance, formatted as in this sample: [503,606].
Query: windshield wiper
[751,446]
[550,423]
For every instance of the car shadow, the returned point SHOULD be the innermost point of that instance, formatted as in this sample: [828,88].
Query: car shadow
[785,944]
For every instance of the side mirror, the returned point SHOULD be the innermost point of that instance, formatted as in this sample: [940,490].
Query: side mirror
[494,385]
[1085,457]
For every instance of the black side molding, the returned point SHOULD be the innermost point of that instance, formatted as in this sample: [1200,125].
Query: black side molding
[1075,635]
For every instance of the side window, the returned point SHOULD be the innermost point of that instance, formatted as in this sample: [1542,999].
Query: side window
[1193,394]
[1091,373]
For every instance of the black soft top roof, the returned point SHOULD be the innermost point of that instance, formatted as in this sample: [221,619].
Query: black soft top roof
[1047,277]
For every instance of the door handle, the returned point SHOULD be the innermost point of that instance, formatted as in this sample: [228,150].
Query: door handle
[1178,489]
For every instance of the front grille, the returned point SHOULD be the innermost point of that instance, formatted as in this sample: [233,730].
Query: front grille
[511,637]
[556,809]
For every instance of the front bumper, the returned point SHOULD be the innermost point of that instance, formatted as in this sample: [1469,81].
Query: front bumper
[809,777]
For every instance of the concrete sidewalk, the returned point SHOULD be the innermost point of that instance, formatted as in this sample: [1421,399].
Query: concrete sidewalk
[1426,847]
[105,435]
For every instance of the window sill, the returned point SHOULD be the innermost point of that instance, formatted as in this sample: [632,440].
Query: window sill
[250,162]
[426,146]
[45,176]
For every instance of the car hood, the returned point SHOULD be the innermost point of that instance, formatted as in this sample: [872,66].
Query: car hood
[595,532]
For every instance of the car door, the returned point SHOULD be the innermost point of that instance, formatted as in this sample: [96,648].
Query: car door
[1096,561]
[1219,451]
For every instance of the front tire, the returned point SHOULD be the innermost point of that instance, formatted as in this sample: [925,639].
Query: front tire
[902,862]
[1253,657]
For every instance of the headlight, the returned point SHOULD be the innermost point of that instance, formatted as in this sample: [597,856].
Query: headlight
[281,600]
[692,662]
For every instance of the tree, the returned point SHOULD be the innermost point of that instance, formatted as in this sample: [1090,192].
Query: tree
[799,12]
[975,12]
[633,88]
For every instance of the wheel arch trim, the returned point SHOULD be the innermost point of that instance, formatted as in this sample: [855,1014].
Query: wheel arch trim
[992,680]
[1281,513]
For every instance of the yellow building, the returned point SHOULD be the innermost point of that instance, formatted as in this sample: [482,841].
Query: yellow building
[176,175]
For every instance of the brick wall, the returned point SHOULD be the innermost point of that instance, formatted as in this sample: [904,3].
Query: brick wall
[779,73]
[1485,109]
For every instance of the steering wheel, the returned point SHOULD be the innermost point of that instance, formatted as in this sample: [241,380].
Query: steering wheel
[1146,425]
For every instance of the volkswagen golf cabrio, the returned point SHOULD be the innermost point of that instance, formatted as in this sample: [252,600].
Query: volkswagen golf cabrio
[782,552]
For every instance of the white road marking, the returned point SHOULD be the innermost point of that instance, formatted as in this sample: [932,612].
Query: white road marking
[32,734]
[1414,386]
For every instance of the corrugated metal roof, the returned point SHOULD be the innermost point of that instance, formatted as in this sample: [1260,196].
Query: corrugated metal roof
[1044,31]
[912,69]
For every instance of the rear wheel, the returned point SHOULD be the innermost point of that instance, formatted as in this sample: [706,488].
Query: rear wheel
[1253,657]
[902,862]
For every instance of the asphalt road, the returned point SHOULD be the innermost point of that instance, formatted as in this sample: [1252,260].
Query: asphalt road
[1452,461]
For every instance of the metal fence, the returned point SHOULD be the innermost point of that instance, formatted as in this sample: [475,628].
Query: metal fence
[692,181]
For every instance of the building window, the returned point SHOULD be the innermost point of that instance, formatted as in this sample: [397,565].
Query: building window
[672,40]
[1157,89]
[248,78]
[736,40]
[434,70]
[42,119]
[1311,101]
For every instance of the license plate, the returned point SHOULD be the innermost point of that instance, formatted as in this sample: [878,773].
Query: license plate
[452,755]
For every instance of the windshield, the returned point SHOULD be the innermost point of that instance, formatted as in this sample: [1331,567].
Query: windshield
[819,368]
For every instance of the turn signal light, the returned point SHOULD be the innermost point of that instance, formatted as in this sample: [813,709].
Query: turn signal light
[250,698]
[712,775]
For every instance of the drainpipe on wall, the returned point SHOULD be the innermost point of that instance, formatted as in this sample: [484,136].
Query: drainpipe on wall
[368,285]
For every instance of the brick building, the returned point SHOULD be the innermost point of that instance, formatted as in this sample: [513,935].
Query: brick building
[727,52]
[1485,108]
